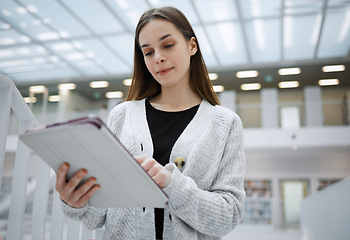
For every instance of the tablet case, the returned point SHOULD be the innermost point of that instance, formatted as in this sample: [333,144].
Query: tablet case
[88,143]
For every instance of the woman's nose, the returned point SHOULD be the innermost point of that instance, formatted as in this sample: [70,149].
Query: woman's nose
[160,57]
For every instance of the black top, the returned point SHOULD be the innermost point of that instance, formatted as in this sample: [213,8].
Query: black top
[165,128]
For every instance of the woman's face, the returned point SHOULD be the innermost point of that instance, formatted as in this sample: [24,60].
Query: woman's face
[166,52]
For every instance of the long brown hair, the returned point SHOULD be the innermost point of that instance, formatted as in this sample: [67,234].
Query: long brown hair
[144,85]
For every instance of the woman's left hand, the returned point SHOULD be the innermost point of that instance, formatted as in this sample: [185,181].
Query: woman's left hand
[157,172]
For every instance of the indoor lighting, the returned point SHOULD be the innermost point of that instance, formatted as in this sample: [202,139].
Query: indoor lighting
[55,98]
[247,74]
[250,86]
[333,68]
[66,86]
[99,84]
[328,82]
[117,94]
[30,99]
[218,88]
[37,89]
[288,84]
[289,71]
[213,76]
[127,82]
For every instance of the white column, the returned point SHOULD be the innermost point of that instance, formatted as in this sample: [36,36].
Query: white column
[5,109]
[348,106]
[313,106]
[228,99]
[62,105]
[269,108]
[19,186]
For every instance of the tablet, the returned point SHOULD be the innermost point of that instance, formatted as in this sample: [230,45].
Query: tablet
[88,143]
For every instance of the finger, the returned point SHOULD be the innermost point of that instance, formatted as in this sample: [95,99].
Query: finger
[61,176]
[148,163]
[140,159]
[75,180]
[82,201]
[83,189]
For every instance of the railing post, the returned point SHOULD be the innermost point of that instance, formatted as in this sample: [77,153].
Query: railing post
[40,200]
[57,218]
[5,109]
[19,187]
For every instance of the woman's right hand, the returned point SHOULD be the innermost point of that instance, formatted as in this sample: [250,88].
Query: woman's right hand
[69,191]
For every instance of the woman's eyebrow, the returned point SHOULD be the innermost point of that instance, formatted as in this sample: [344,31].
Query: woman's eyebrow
[160,39]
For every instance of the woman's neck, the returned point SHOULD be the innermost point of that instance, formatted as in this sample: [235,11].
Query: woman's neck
[170,100]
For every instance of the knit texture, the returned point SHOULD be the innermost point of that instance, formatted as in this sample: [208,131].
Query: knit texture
[206,198]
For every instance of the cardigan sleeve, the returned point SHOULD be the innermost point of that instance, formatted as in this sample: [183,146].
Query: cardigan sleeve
[216,211]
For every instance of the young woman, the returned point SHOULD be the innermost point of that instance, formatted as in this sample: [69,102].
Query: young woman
[172,123]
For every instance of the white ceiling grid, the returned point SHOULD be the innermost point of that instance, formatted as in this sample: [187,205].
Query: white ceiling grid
[56,40]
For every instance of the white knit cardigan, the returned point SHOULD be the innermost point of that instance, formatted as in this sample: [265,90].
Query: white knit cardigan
[206,196]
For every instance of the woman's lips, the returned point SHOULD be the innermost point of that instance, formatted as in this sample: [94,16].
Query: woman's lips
[164,71]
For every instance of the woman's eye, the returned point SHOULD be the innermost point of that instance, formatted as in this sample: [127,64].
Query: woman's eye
[169,45]
[148,53]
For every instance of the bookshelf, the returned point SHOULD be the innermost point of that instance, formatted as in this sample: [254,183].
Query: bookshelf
[258,204]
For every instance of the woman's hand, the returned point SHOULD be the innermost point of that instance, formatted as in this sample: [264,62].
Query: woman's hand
[158,173]
[69,193]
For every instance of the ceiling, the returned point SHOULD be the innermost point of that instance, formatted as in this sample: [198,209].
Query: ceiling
[50,42]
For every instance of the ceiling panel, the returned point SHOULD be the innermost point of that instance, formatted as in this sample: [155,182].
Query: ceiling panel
[335,39]
[80,40]
[105,57]
[257,8]
[93,14]
[228,43]
[214,11]
[53,13]
[264,40]
[301,36]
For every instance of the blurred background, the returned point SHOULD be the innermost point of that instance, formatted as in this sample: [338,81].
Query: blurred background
[282,65]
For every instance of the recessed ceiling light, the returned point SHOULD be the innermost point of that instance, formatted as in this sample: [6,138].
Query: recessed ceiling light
[37,89]
[213,76]
[218,88]
[250,86]
[289,71]
[117,94]
[66,86]
[127,82]
[247,74]
[288,84]
[99,84]
[54,98]
[30,99]
[328,82]
[333,68]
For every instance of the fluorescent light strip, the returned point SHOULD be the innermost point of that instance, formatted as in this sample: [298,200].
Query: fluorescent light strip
[127,82]
[54,98]
[250,86]
[333,68]
[213,76]
[117,94]
[247,74]
[99,84]
[289,71]
[37,89]
[66,86]
[288,84]
[218,88]
[328,82]
[30,99]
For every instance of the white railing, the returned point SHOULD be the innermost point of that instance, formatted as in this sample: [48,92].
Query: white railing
[44,225]
[326,215]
